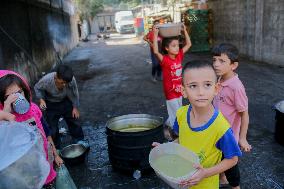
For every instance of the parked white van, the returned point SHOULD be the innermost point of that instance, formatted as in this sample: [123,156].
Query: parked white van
[124,21]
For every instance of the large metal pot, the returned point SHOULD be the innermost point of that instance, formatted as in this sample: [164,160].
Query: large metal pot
[129,139]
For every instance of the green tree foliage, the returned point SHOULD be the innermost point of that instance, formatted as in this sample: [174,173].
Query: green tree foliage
[132,3]
[88,8]
[111,2]
[123,3]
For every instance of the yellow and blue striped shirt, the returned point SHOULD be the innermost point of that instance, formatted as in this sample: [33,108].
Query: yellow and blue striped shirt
[208,141]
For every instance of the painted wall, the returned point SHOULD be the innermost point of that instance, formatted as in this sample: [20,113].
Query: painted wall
[256,27]
[34,33]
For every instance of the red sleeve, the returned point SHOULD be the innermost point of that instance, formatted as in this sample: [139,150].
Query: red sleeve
[150,36]
[147,36]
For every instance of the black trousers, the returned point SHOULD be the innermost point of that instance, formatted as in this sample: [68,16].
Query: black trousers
[54,111]
[233,175]
[156,68]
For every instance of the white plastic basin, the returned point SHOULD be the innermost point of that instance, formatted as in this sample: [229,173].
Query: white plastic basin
[175,173]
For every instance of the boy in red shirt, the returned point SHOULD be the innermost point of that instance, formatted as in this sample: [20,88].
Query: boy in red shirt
[171,65]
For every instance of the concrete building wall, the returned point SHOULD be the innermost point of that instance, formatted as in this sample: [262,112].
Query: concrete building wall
[34,33]
[256,27]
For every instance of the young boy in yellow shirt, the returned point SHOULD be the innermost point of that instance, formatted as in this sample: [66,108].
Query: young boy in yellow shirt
[203,129]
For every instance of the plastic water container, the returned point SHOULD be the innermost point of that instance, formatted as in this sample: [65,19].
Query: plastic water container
[177,150]
[21,105]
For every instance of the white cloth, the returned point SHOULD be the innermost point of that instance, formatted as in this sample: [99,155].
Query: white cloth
[172,106]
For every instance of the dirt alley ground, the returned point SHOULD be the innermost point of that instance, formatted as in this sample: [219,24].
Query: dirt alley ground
[114,79]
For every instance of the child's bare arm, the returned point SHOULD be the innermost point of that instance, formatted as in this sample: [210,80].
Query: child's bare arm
[202,173]
[187,40]
[6,116]
[57,158]
[145,38]
[8,103]
[155,44]
[245,146]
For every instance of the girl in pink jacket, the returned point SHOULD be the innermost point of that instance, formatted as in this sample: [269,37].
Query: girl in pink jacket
[11,86]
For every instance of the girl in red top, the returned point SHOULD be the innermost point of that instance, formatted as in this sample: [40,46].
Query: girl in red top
[171,65]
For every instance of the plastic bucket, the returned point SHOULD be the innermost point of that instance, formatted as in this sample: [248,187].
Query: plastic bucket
[172,149]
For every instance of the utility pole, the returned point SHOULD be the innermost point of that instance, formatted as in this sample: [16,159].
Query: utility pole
[174,4]
[142,8]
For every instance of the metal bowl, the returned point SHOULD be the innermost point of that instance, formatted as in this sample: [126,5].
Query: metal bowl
[73,154]
[170,29]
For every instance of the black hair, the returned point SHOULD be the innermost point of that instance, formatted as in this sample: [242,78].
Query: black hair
[156,22]
[65,73]
[166,42]
[9,80]
[196,64]
[228,49]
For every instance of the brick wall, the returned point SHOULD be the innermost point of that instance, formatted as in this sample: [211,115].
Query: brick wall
[256,27]
[32,32]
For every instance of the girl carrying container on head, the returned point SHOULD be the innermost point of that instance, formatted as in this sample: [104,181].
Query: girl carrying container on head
[171,64]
